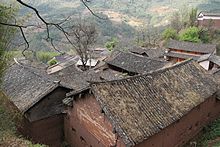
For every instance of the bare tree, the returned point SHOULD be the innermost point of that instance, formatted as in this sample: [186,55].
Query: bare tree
[83,36]
[46,24]
[148,36]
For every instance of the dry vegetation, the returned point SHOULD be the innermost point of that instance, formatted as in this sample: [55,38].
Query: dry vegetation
[120,17]
[10,118]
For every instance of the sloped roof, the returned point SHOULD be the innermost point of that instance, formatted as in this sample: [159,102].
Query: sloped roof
[141,106]
[152,53]
[209,14]
[210,57]
[72,77]
[216,74]
[138,50]
[203,57]
[26,86]
[64,58]
[135,63]
[190,46]
[181,55]
[105,73]
[98,53]
[61,65]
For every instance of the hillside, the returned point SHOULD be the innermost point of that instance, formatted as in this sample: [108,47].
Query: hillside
[125,17]
[134,13]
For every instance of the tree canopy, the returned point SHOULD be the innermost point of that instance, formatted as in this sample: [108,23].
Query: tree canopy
[169,33]
[190,34]
[6,33]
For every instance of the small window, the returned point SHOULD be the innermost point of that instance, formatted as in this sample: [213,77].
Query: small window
[74,130]
[82,139]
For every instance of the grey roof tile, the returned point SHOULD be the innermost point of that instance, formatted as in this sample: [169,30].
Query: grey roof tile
[190,46]
[135,63]
[141,106]
[25,86]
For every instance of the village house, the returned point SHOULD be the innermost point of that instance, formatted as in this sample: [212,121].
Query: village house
[103,73]
[206,19]
[181,50]
[38,98]
[99,53]
[73,77]
[209,62]
[165,108]
[78,80]
[151,53]
[133,64]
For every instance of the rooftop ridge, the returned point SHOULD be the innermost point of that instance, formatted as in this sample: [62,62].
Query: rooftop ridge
[145,74]
[141,107]
[193,42]
[154,59]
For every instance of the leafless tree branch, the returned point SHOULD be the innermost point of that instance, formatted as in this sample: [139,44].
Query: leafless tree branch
[90,10]
[56,25]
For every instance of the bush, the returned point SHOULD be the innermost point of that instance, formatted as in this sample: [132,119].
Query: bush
[169,33]
[111,44]
[210,132]
[10,118]
[190,34]
[45,56]
[52,62]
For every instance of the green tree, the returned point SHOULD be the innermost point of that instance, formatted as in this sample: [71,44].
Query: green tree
[110,45]
[205,35]
[6,33]
[192,17]
[169,33]
[190,34]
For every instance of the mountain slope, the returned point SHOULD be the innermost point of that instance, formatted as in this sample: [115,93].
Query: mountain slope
[124,16]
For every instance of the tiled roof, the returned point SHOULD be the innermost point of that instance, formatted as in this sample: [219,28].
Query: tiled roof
[152,53]
[26,86]
[64,58]
[138,50]
[141,106]
[105,74]
[61,65]
[210,13]
[216,74]
[134,63]
[98,53]
[72,77]
[210,57]
[181,55]
[190,46]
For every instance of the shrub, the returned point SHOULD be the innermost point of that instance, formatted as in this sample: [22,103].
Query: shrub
[169,33]
[111,44]
[190,34]
[52,62]
[44,56]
